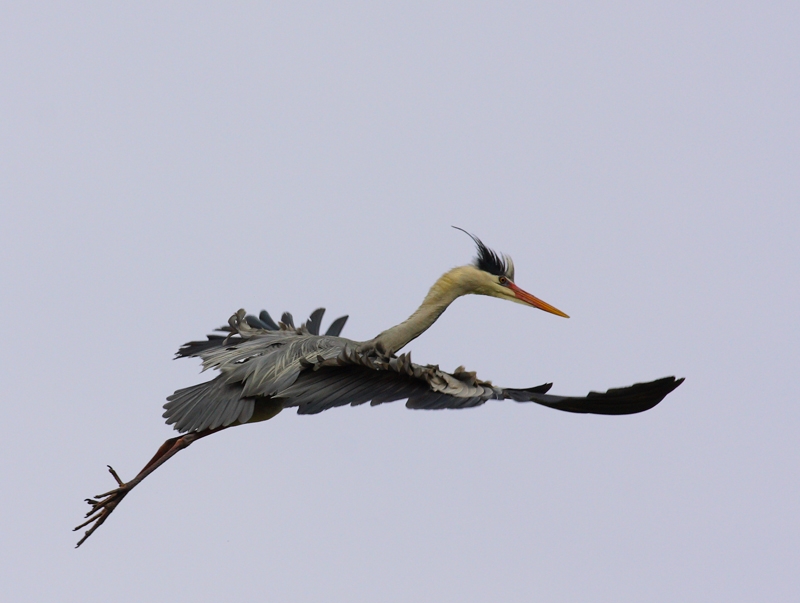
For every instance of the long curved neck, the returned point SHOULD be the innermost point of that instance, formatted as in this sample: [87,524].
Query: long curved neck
[449,287]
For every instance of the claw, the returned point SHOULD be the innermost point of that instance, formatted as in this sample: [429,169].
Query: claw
[110,492]
[85,523]
[101,506]
[116,477]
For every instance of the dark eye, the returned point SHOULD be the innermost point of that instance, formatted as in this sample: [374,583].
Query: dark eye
[503,281]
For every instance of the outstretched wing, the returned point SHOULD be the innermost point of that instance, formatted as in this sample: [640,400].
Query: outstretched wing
[618,401]
[354,379]
[260,360]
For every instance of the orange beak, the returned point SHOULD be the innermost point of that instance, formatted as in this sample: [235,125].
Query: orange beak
[534,301]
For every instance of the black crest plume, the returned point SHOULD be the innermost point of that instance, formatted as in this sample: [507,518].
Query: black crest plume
[490,261]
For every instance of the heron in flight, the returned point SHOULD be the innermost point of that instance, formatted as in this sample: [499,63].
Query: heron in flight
[265,367]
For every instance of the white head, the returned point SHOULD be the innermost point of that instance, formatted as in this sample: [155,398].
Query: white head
[493,274]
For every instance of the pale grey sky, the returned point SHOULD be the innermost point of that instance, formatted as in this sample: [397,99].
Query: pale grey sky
[163,166]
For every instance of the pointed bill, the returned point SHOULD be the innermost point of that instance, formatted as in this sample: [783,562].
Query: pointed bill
[529,299]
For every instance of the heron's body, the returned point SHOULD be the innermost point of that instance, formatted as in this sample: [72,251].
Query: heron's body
[265,367]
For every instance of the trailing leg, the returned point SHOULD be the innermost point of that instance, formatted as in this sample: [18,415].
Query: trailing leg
[102,505]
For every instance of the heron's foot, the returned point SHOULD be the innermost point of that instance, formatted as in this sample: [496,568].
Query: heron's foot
[102,505]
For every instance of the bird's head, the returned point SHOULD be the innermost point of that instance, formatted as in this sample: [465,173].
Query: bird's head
[493,274]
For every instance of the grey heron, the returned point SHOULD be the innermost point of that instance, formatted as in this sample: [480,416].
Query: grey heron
[265,367]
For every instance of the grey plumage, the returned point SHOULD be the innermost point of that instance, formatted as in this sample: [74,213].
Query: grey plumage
[261,361]
[315,321]
[189,408]
[336,326]
[267,320]
[315,372]
[257,323]
[266,366]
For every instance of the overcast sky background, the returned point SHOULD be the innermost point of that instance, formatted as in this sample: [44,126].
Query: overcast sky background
[163,166]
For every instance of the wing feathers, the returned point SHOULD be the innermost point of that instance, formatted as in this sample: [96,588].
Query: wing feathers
[267,320]
[259,359]
[619,401]
[393,392]
[336,326]
[315,321]
[256,323]
[206,405]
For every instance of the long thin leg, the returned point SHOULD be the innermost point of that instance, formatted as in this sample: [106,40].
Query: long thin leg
[104,504]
